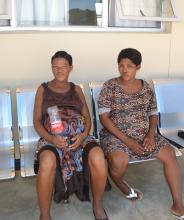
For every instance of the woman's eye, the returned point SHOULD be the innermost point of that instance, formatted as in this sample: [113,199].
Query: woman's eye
[129,66]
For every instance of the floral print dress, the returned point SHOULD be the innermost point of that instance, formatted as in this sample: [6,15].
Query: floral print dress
[130,113]
[74,178]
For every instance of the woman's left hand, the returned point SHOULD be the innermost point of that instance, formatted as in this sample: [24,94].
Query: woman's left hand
[77,140]
[149,143]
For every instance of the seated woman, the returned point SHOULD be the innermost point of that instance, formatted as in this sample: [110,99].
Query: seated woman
[128,112]
[63,157]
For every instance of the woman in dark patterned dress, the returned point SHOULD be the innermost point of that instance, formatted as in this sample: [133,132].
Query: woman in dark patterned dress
[128,112]
[64,161]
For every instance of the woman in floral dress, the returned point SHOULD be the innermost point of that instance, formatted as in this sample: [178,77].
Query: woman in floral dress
[63,160]
[128,112]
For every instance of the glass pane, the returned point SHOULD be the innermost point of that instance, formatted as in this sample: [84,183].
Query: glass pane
[140,10]
[82,12]
[99,9]
[151,8]
[59,12]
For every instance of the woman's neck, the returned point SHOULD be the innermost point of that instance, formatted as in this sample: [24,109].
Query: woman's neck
[130,86]
[128,82]
[59,86]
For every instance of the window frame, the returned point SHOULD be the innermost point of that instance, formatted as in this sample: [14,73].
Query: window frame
[103,28]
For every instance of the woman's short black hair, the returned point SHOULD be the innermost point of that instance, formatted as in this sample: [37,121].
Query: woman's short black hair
[63,54]
[132,54]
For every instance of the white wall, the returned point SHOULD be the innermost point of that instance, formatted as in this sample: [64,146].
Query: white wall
[25,57]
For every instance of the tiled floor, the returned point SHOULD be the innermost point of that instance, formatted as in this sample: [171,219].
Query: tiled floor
[18,198]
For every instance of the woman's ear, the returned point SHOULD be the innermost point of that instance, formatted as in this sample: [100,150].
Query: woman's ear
[71,68]
[138,67]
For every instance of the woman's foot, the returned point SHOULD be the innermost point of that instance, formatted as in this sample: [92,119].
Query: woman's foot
[45,217]
[100,213]
[177,211]
[134,195]
[130,193]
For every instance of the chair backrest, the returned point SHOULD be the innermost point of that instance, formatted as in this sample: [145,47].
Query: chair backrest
[95,88]
[27,134]
[7,150]
[170,102]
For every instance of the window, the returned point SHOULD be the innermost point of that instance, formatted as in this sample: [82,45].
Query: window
[98,15]
[56,13]
[141,13]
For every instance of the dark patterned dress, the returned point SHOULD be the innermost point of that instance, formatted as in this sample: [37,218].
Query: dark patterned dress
[130,113]
[71,165]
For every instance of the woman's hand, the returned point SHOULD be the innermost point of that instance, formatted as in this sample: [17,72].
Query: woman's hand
[149,143]
[77,140]
[135,146]
[60,142]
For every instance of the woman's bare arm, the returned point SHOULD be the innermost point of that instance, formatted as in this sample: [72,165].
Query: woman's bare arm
[37,116]
[85,111]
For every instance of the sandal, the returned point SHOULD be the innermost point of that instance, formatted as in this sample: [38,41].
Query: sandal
[134,195]
[177,216]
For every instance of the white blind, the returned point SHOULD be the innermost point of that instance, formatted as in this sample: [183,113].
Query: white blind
[3,7]
[5,11]
[41,12]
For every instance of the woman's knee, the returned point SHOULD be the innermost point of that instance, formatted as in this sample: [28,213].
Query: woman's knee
[47,160]
[166,154]
[118,162]
[96,158]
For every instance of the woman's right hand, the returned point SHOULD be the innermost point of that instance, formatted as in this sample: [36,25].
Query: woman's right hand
[135,147]
[59,142]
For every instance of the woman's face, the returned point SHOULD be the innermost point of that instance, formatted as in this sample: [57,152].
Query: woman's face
[127,69]
[61,69]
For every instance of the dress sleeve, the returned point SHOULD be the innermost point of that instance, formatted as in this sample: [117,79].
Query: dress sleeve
[152,108]
[104,100]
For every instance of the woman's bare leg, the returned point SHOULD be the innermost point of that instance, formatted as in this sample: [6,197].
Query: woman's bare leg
[45,182]
[98,172]
[118,162]
[173,177]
